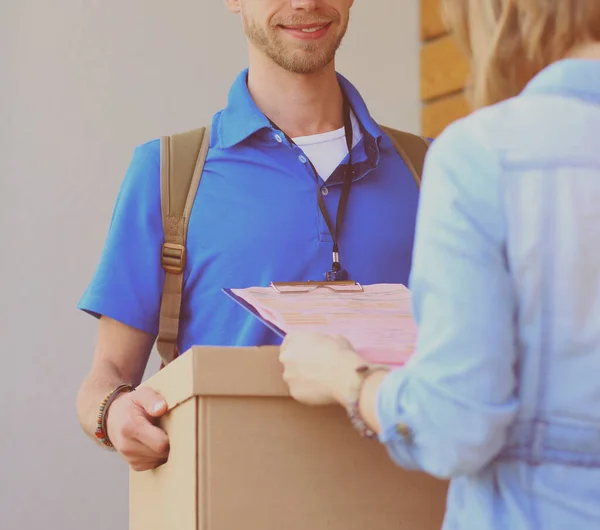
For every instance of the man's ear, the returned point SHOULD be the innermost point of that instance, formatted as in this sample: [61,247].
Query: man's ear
[233,5]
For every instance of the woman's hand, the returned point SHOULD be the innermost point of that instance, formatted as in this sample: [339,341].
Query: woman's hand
[319,369]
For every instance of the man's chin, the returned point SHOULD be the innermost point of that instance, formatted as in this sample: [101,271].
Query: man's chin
[305,67]
[307,60]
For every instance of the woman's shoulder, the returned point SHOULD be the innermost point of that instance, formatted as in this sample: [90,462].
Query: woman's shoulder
[467,143]
[526,127]
[483,126]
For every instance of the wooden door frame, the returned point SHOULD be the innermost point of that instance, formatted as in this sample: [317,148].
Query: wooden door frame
[444,71]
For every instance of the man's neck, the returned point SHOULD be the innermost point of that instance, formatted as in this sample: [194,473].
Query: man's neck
[300,104]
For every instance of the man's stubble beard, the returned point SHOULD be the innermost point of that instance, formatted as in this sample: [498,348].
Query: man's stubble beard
[308,59]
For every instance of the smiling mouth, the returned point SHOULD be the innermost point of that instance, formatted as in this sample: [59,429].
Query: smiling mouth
[307,28]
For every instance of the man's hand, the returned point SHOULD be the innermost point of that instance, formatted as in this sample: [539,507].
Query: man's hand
[131,428]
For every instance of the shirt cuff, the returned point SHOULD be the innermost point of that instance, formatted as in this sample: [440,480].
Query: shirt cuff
[395,427]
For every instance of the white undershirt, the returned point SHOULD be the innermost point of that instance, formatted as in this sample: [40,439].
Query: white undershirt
[327,150]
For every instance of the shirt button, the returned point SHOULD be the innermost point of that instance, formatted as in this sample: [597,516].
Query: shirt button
[324,192]
[404,431]
[302,159]
[278,138]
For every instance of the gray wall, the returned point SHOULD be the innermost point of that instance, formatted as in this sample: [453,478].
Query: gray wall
[83,82]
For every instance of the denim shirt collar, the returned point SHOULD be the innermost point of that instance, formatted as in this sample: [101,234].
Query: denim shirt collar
[578,78]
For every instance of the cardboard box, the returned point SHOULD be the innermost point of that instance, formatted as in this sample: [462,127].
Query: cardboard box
[244,455]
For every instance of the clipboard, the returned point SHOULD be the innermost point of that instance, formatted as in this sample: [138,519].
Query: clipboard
[287,288]
[376,319]
[346,286]
[251,309]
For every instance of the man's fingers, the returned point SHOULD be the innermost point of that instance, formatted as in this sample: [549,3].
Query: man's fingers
[153,438]
[145,465]
[140,457]
[150,401]
[131,427]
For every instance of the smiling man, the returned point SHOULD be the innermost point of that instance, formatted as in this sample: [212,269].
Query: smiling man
[299,182]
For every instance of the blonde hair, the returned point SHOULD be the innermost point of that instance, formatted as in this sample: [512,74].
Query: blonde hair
[510,41]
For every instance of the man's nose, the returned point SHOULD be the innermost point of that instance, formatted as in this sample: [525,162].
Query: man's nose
[306,5]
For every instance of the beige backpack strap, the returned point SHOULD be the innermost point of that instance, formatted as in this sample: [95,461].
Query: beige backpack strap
[182,158]
[412,148]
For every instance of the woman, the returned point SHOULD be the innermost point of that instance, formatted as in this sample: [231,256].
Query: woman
[503,392]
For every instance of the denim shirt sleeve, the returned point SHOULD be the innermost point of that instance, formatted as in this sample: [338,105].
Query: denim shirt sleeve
[456,397]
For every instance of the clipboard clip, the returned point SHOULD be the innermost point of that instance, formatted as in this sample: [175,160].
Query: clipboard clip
[346,286]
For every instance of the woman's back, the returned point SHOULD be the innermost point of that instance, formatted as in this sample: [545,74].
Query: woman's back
[545,148]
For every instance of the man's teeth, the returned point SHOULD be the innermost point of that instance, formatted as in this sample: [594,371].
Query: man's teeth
[312,30]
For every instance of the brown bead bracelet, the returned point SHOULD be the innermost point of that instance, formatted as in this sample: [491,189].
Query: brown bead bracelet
[100,432]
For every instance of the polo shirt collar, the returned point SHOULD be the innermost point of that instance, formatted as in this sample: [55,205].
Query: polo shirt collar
[242,118]
[360,108]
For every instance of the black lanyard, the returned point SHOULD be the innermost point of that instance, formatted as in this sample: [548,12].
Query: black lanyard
[337,273]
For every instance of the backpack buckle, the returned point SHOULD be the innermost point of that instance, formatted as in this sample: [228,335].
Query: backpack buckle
[173,258]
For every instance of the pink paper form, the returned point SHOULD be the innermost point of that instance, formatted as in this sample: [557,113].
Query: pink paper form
[377,321]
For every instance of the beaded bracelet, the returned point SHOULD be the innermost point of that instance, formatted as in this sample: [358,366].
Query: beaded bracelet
[353,404]
[100,432]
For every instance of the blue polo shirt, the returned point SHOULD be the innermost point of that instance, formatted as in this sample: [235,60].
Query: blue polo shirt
[255,220]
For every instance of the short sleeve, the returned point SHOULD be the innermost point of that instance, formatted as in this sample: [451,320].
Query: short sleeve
[127,283]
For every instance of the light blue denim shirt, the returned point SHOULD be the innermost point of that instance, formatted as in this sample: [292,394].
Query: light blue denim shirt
[503,393]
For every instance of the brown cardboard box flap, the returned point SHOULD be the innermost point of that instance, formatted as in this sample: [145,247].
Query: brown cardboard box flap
[221,371]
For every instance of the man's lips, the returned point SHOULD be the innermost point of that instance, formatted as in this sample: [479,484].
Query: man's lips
[307,31]
[307,26]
